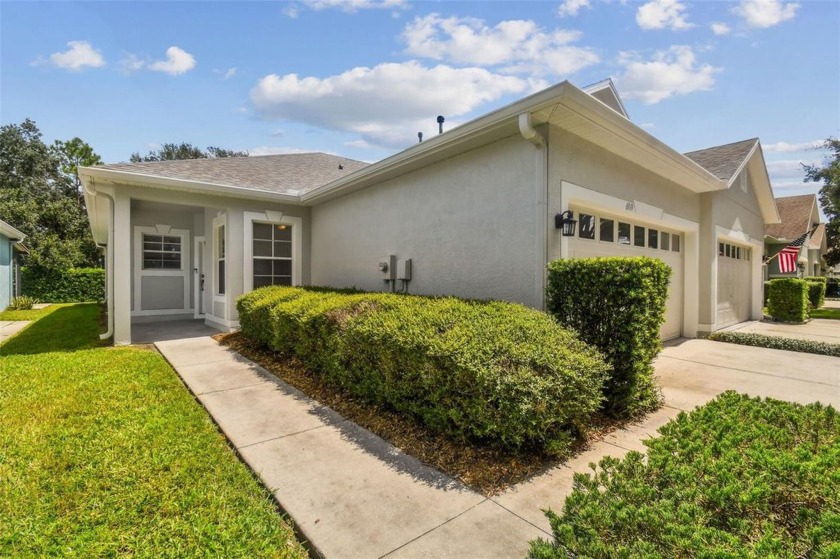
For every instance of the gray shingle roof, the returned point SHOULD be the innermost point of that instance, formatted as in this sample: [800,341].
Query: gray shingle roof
[817,237]
[795,212]
[286,174]
[723,161]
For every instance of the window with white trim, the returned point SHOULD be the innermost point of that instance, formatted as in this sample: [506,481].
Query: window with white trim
[161,252]
[272,254]
[220,260]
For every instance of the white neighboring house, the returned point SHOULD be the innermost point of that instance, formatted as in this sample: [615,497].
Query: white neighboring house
[11,248]
[474,209]
[799,215]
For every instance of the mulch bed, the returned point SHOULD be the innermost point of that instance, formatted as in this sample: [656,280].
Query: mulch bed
[486,470]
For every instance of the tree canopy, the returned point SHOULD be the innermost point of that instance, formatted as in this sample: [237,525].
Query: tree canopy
[169,152]
[829,175]
[39,195]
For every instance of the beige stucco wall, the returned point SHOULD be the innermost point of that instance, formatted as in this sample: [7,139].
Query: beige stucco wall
[467,223]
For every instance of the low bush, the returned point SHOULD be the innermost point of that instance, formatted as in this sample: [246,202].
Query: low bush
[816,290]
[488,371]
[777,342]
[22,303]
[617,305]
[788,300]
[738,477]
[75,285]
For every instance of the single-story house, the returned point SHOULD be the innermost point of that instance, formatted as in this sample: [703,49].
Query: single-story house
[800,215]
[476,211]
[11,248]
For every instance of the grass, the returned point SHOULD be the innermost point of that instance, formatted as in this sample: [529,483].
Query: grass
[32,314]
[104,453]
[833,314]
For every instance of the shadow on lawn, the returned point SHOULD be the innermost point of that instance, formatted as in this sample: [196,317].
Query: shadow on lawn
[67,328]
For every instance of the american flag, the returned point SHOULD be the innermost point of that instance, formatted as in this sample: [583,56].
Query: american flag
[789,255]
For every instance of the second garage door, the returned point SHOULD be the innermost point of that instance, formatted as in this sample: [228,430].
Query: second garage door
[603,235]
[734,279]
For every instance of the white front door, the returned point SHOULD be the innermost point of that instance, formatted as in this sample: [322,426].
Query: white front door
[199,275]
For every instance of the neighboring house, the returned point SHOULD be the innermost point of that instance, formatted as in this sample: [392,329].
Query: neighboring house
[800,215]
[11,247]
[473,209]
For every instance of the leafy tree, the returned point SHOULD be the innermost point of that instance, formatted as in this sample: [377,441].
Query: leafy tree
[39,195]
[169,152]
[829,175]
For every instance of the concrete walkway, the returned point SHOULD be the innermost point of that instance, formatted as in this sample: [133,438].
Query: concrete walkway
[9,328]
[353,495]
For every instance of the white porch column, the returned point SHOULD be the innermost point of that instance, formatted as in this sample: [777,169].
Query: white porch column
[122,269]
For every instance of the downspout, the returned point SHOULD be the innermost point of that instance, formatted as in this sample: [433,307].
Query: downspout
[109,261]
[541,205]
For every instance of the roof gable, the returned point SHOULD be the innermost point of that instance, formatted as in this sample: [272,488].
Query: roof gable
[797,215]
[724,161]
[605,92]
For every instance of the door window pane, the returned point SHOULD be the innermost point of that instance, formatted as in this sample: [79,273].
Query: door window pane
[623,233]
[586,226]
[161,252]
[607,230]
[638,236]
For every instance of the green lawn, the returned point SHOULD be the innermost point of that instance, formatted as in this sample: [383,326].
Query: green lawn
[32,314]
[104,453]
[825,312]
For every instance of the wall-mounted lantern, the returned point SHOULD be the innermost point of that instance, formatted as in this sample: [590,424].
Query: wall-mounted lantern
[567,222]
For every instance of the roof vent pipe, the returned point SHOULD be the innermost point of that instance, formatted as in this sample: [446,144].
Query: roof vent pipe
[440,120]
[419,137]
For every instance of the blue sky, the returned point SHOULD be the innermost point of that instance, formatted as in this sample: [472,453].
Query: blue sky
[360,78]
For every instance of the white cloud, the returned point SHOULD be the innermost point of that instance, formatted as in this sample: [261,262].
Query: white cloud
[786,169]
[226,74]
[348,6]
[648,126]
[358,144]
[518,46]
[178,61]
[785,147]
[765,13]
[571,7]
[131,63]
[671,72]
[80,55]
[291,11]
[661,14]
[385,105]
[720,28]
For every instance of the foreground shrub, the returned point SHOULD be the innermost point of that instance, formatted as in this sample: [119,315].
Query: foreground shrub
[816,291]
[738,477]
[617,305]
[75,285]
[490,371]
[788,300]
[777,342]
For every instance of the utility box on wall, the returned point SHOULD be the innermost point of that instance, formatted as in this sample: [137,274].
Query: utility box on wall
[404,269]
[388,267]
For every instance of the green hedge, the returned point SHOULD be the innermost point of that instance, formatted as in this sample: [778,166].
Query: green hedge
[738,477]
[75,285]
[617,305]
[788,300]
[490,371]
[817,286]
[777,342]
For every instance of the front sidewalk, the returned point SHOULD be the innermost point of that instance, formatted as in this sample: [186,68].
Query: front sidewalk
[352,494]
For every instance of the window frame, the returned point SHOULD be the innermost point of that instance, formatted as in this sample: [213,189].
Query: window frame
[163,242]
[272,218]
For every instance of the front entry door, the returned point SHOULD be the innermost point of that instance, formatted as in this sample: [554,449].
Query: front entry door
[199,274]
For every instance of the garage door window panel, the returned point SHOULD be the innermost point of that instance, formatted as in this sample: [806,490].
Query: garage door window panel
[586,229]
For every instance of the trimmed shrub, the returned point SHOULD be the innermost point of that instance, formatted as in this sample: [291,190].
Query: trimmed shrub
[777,342]
[22,303]
[766,292]
[488,371]
[788,300]
[738,477]
[617,305]
[817,286]
[76,285]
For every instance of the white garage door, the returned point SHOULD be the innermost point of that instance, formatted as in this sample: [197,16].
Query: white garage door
[734,279]
[599,236]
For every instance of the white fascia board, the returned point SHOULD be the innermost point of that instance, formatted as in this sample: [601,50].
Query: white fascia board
[599,114]
[11,232]
[154,181]
[762,187]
